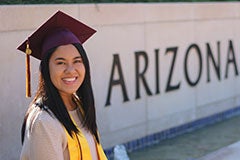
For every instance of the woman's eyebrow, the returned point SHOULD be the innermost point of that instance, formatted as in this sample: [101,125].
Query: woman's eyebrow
[77,57]
[59,58]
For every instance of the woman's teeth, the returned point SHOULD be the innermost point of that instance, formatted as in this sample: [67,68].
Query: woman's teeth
[69,79]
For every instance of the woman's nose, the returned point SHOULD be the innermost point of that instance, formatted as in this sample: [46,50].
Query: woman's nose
[69,68]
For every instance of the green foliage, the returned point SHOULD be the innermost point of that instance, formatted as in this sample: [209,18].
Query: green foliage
[97,1]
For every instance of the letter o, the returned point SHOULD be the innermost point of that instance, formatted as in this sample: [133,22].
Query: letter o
[193,47]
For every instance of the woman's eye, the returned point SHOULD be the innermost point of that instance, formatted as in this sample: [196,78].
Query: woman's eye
[60,63]
[78,61]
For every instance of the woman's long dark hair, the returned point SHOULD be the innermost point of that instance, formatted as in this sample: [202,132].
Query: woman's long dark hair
[49,96]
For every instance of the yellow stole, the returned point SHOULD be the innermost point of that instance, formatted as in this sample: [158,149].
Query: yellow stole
[79,149]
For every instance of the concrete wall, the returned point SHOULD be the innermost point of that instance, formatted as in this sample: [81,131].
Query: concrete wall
[149,43]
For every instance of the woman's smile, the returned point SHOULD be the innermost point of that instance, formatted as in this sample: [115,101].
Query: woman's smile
[69,80]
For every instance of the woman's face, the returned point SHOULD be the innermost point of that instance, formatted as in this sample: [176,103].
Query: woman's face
[66,69]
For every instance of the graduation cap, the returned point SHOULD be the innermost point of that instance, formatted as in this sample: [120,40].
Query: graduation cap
[60,29]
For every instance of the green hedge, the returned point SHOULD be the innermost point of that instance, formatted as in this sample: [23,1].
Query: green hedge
[96,1]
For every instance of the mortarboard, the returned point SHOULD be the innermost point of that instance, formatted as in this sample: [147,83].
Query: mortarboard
[60,29]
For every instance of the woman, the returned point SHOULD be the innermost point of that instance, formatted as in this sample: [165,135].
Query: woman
[60,123]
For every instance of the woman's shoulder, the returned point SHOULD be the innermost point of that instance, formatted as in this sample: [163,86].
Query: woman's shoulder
[43,124]
[42,119]
[47,118]
[44,131]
